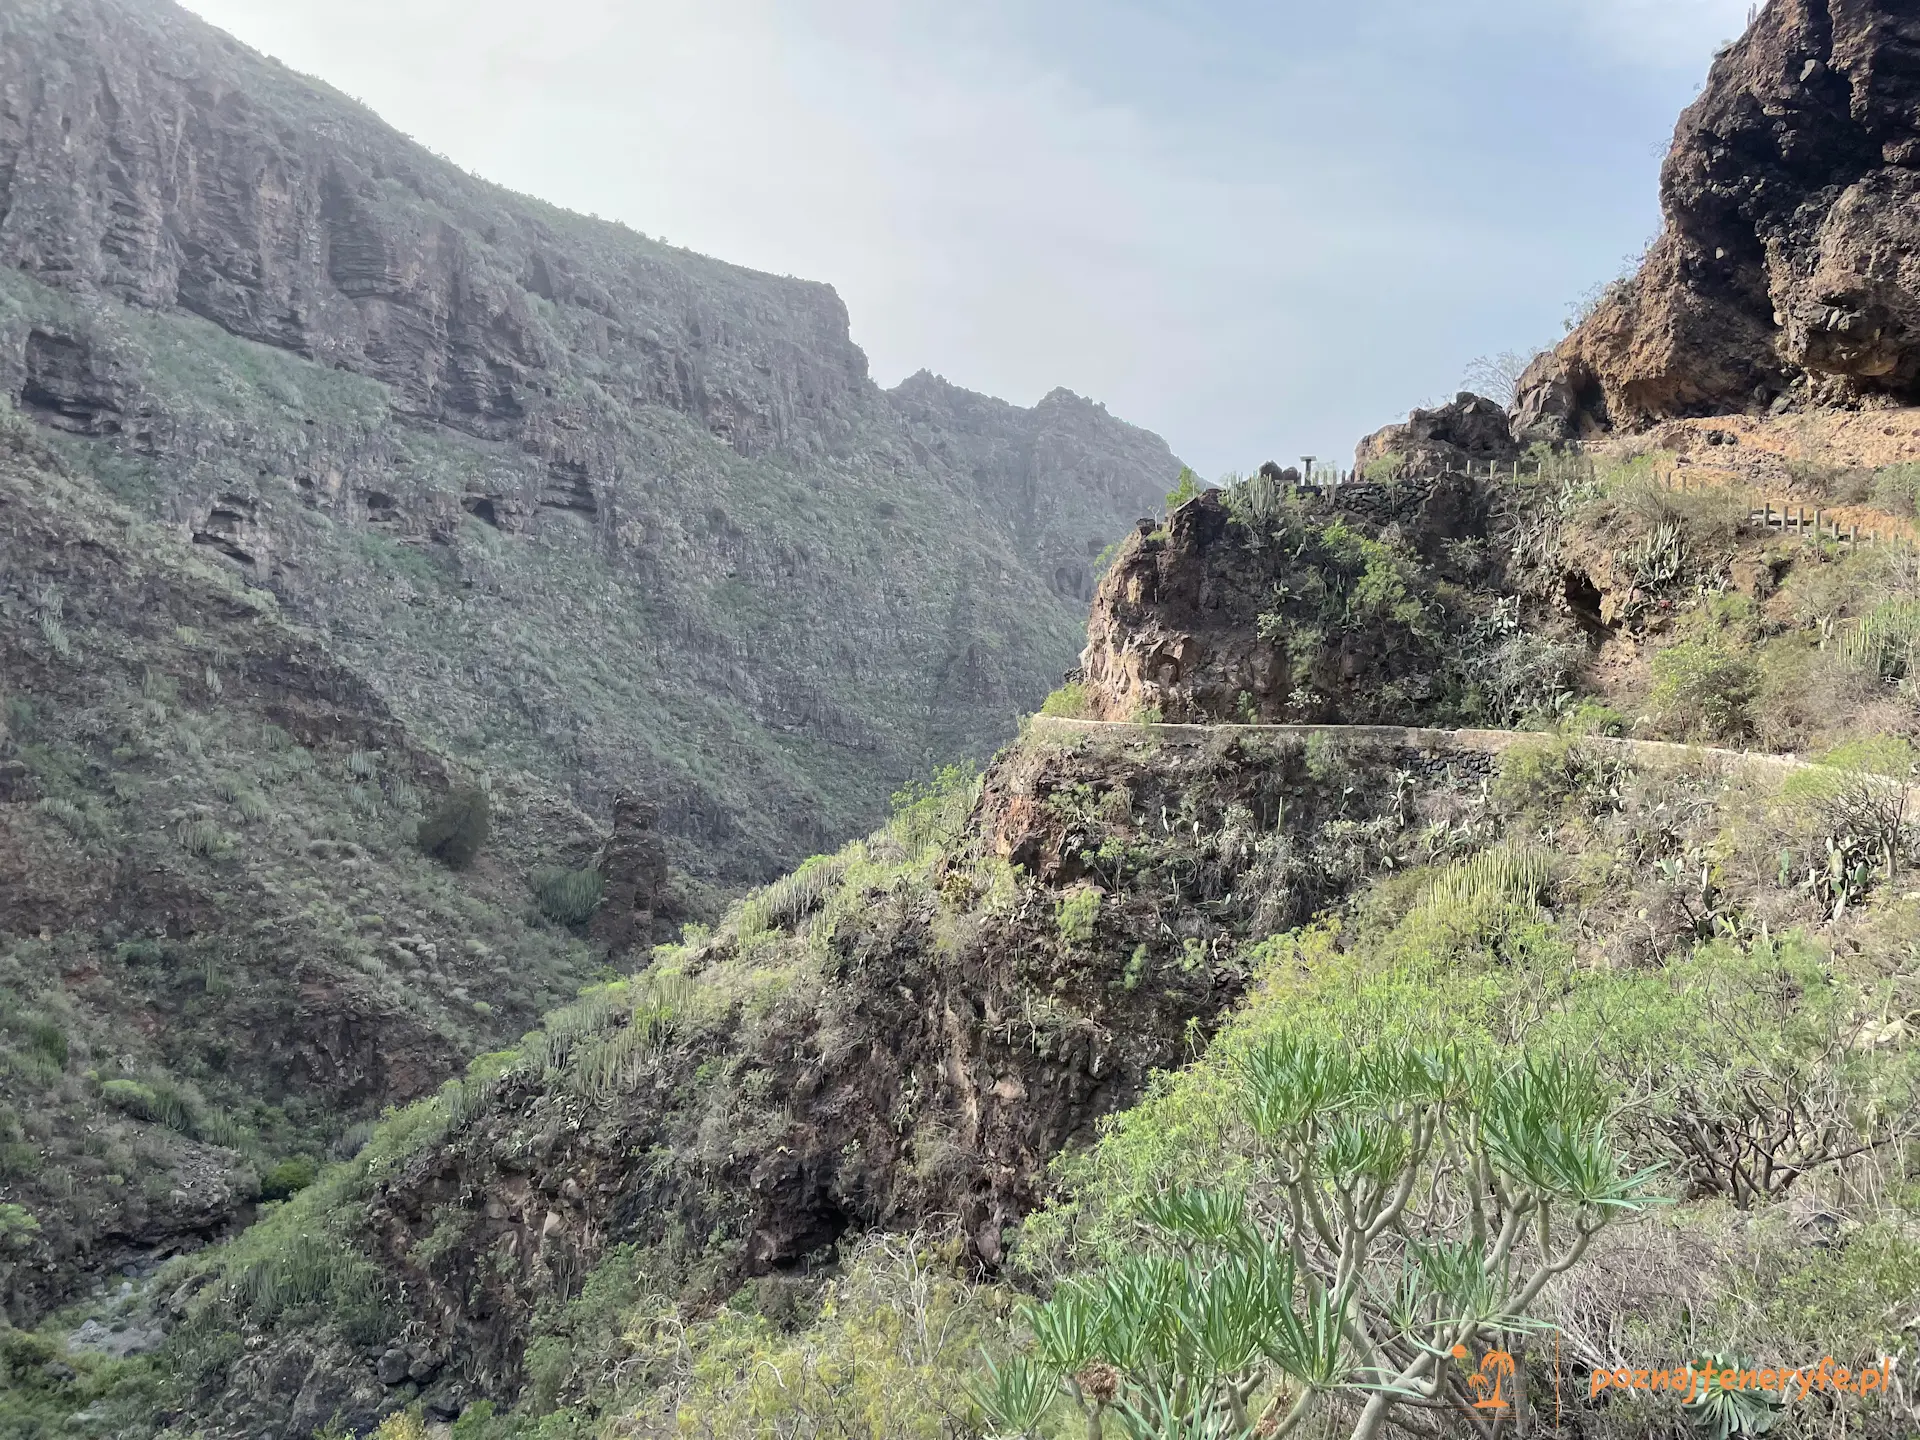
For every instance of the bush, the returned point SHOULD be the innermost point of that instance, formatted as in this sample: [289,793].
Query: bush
[49,1040]
[1886,641]
[287,1178]
[144,951]
[1896,488]
[455,832]
[1591,717]
[1072,701]
[1539,777]
[1703,689]
[402,1425]
[569,897]
[204,838]
[1186,486]
[1384,469]
[160,1103]
[1076,914]
[1221,1301]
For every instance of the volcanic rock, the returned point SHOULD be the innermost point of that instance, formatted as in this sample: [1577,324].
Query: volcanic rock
[1787,263]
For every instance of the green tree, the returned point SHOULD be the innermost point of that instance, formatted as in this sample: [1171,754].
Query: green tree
[1405,1210]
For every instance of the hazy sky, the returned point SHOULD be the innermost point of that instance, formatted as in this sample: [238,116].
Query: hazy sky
[1261,229]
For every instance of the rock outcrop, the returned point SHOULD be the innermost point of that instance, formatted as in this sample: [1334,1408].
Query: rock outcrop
[570,498]
[1786,269]
[1226,616]
[1470,432]
[642,907]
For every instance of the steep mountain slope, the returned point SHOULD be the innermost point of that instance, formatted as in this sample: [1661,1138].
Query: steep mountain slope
[1784,275]
[219,948]
[675,1190]
[569,498]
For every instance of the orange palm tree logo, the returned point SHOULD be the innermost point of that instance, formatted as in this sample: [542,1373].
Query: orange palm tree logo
[1488,1383]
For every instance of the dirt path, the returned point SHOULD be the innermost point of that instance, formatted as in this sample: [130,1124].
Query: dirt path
[1484,742]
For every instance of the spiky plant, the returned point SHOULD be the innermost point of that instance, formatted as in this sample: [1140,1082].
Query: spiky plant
[1406,1207]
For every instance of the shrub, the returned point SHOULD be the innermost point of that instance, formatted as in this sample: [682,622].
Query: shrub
[1186,486]
[1538,777]
[17,1224]
[76,821]
[1072,701]
[793,897]
[1896,488]
[1076,914]
[455,832]
[1591,717]
[409,1424]
[1384,469]
[204,838]
[287,1178]
[1887,640]
[1861,793]
[1492,880]
[888,1356]
[144,951]
[159,1103]
[569,897]
[1366,1263]
[1703,689]
[48,1039]
[1257,503]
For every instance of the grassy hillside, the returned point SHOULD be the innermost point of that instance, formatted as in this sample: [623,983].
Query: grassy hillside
[1047,1031]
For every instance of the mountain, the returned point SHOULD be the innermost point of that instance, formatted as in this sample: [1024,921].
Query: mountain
[1446,950]
[1782,277]
[570,499]
[336,484]
[796,1174]
[220,948]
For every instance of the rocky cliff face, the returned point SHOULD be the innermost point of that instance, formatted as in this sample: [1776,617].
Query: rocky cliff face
[1056,472]
[1470,432]
[570,499]
[1785,270]
[1296,606]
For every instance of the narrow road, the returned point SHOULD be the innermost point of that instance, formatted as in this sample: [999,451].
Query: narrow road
[1485,742]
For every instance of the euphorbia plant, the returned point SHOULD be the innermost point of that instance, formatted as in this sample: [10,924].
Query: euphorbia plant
[1406,1207]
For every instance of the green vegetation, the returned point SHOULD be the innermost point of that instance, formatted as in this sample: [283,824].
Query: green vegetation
[1704,690]
[569,897]
[1186,486]
[1072,701]
[1397,1204]
[1423,646]
[154,1034]
[1077,914]
[455,832]
[286,1179]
